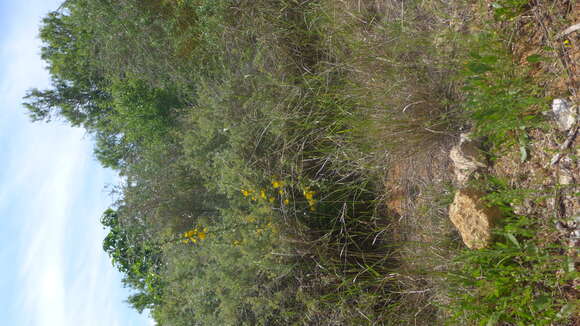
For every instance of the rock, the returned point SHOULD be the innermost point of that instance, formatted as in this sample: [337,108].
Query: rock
[564,113]
[466,158]
[473,218]
[566,177]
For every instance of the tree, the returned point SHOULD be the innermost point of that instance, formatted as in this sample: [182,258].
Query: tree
[139,259]
[79,92]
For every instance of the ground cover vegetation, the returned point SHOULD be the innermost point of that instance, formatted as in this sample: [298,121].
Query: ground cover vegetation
[254,137]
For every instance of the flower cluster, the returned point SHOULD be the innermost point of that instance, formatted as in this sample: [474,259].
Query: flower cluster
[263,195]
[194,235]
[309,195]
[278,186]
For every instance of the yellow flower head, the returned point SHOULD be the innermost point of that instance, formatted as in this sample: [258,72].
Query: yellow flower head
[263,194]
[286,201]
[277,184]
[309,194]
[272,199]
[246,193]
[202,235]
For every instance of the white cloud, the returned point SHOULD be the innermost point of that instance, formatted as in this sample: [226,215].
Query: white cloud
[47,216]
[66,278]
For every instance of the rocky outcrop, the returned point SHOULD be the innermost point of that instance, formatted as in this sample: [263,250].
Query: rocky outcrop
[473,218]
[467,159]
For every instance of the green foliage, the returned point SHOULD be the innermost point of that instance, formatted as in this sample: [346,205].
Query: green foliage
[233,278]
[508,9]
[254,119]
[142,116]
[516,281]
[137,258]
[499,95]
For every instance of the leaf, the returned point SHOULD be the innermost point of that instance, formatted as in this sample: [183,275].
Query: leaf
[566,311]
[478,68]
[534,58]
[492,321]
[532,249]
[542,302]
[489,59]
[513,239]
[474,55]
[523,153]
[569,265]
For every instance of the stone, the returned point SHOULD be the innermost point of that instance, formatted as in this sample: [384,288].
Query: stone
[466,158]
[566,177]
[564,113]
[473,218]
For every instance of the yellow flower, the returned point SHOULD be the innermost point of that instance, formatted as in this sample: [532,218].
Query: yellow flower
[309,194]
[272,199]
[194,240]
[281,192]
[253,198]
[205,230]
[246,193]
[202,235]
[277,184]
[263,194]
[286,201]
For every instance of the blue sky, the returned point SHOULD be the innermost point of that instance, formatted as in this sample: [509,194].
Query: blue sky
[52,193]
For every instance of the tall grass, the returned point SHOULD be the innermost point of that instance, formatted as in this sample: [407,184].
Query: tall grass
[296,112]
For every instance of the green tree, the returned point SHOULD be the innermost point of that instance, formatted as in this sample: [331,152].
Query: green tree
[139,259]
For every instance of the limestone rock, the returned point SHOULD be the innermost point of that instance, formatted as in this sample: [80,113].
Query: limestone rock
[473,218]
[564,113]
[466,158]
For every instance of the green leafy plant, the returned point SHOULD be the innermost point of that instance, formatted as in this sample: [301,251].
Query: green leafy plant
[507,9]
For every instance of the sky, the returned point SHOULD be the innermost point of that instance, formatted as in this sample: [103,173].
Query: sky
[53,271]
